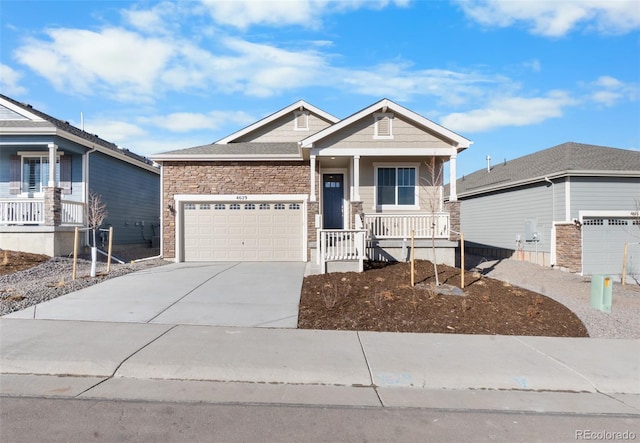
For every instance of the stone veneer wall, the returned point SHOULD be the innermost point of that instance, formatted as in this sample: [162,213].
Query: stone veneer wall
[228,178]
[52,206]
[569,247]
[453,208]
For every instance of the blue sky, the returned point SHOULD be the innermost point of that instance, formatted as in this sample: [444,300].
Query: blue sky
[513,76]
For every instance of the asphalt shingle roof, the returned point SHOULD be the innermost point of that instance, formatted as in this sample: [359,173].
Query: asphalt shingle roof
[241,149]
[563,159]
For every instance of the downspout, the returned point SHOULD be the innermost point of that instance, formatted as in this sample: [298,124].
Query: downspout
[552,258]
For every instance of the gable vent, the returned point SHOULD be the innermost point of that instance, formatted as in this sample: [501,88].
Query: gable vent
[383,125]
[301,120]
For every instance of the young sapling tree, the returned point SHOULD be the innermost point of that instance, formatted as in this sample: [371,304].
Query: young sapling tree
[96,214]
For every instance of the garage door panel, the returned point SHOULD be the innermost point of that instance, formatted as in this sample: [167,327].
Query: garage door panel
[603,244]
[252,231]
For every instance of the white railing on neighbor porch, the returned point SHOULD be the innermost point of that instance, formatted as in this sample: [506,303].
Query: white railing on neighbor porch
[341,245]
[31,212]
[382,226]
[22,212]
[72,213]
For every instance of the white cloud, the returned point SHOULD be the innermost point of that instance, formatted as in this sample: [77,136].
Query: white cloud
[608,91]
[192,121]
[118,132]
[398,81]
[510,111]
[308,13]
[556,18]
[124,63]
[9,81]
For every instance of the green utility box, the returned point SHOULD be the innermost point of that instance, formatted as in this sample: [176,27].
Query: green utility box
[601,292]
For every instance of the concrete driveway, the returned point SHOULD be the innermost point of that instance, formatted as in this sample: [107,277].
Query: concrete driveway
[219,294]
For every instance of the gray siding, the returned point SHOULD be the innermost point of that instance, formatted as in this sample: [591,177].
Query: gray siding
[8,114]
[132,196]
[497,219]
[282,130]
[604,193]
[361,135]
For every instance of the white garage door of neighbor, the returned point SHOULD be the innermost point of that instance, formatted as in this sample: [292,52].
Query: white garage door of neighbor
[603,242]
[247,231]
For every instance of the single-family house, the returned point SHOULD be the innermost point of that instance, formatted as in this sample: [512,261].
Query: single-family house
[301,184]
[48,169]
[572,206]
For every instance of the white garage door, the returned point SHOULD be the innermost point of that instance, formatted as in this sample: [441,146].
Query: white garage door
[247,231]
[603,242]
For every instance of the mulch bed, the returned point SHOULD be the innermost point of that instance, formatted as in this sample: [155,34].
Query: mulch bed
[382,299]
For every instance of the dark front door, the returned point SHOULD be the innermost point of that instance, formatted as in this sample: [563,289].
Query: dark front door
[332,201]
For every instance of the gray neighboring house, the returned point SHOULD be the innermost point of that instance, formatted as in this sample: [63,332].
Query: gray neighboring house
[47,169]
[572,206]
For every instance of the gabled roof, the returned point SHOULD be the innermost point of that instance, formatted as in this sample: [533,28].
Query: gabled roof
[458,141]
[235,151]
[300,104]
[36,121]
[567,159]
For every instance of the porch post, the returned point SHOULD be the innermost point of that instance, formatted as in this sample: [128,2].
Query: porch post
[453,193]
[356,178]
[312,161]
[52,165]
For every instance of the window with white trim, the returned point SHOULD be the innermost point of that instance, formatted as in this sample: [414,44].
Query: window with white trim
[396,186]
[29,172]
[35,172]
[383,125]
[301,120]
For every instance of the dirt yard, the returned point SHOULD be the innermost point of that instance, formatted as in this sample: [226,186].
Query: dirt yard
[382,299]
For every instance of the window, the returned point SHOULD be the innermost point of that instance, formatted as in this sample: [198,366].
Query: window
[264,206]
[205,206]
[29,172]
[35,173]
[279,206]
[249,206]
[234,207]
[383,125]
[219,207]
[594,222]
[294,206]
[189,206]
[301,120]
[396,186]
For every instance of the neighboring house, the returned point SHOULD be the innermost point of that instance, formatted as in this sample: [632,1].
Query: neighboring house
[302,185]
[572,206]
[47,169]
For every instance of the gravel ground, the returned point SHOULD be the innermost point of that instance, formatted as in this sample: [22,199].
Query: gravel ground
[573,291]
[52,279]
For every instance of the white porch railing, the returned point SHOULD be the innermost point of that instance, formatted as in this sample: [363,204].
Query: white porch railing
[72,213]
[22,212]
[31,212]
[341,245]
[383,226]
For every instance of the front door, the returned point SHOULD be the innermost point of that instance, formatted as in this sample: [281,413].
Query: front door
[333,201]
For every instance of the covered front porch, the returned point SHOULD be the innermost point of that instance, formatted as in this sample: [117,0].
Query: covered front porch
[370,208]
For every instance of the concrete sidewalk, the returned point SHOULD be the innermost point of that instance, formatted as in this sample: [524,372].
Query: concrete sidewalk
[164,362]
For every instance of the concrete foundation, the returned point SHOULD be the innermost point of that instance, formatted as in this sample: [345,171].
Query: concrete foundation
[47,240]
